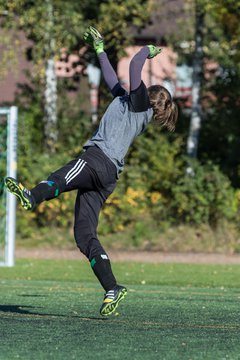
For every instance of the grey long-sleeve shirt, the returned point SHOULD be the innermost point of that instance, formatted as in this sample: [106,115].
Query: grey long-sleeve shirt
[127,115]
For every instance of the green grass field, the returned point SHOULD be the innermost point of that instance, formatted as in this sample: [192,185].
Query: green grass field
[50,310]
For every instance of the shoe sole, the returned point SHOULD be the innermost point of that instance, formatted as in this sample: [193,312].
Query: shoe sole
[111,307]
[17,189]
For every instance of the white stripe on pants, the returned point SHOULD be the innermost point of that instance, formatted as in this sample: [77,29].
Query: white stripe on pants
[75,171]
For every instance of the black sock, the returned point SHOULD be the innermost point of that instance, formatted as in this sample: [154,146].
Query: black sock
[45,190]
[102,269]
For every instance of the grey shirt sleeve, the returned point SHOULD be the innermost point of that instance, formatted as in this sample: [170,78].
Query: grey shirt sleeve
[135,68]
[138,97]
[110,75]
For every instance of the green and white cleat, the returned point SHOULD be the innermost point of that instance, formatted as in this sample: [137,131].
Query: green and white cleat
[23,194]
[112,299]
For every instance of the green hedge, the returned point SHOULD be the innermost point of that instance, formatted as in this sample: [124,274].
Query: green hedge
[154,190]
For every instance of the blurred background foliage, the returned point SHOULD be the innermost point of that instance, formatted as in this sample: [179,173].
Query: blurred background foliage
[156,204]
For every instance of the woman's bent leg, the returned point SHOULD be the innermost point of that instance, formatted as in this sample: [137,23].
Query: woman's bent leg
[87,209]
[72,176]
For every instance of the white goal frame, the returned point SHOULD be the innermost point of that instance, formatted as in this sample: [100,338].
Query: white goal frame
[10,222]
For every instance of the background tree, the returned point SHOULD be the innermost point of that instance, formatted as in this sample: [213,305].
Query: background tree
[153,192]
[197,65]
[220,131]
[50,118]
[50,25]
[54,24]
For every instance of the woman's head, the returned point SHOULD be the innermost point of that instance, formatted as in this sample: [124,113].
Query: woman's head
[165,111]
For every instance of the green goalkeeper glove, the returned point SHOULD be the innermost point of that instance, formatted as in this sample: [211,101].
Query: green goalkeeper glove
[93,37]
[153,51]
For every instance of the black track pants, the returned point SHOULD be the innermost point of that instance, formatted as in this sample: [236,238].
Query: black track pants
[94,176]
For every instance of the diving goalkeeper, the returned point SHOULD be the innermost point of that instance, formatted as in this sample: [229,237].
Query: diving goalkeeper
[95,171]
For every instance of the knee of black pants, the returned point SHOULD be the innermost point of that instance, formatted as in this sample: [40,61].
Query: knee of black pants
[82,241]
[88,243]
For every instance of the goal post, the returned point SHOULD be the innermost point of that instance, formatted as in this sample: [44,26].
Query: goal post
[8,167]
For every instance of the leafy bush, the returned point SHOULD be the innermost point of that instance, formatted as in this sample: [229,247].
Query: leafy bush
[206,196]
[154,192]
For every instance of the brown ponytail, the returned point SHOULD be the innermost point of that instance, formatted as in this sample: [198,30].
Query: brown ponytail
[165,111]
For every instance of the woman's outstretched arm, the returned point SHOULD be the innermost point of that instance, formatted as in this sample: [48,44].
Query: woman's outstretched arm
[110,75]
[95,40]
[138,97]
[137,62]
